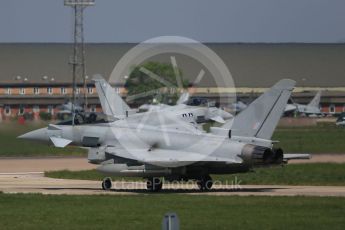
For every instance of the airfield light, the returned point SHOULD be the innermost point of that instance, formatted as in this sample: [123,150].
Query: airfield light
[79,2]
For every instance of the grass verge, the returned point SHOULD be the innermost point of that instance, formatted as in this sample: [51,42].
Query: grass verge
[85,175]
[327,174]
[146,212]
[323,138]
[296,174]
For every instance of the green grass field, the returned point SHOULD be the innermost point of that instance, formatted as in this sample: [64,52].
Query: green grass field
[323,138]
[11,146]
[297,174]
[146,212]
[294,174]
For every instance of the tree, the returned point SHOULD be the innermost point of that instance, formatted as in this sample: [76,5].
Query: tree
[140,82]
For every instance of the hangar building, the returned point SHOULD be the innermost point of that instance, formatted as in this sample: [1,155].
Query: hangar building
[37,77]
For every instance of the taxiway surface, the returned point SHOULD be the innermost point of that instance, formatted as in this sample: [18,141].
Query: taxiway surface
[37,183]
[26,175]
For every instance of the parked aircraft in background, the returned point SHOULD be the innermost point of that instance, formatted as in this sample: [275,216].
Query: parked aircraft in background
[341,120]
[238,107]
[113,105]
[157,106]
[312,109]
[68,107]
[66,110]
[177,151]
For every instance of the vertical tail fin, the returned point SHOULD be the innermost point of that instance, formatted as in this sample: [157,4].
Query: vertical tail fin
[316,100]
[183,98]
[261,117]
[112,103]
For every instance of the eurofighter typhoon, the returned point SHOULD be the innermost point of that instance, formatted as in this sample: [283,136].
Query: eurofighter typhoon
[159,146]
[113,105]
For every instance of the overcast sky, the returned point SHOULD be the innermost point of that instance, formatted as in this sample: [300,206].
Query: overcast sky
[202,20]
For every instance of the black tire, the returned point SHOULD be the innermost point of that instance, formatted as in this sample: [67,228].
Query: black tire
[154,184]
[107,183]
[205,183]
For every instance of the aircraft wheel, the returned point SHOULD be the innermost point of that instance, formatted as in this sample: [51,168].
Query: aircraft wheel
[154,184]
[205,183]
[107,184]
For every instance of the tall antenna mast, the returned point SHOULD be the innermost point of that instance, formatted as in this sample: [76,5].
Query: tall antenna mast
[78,59]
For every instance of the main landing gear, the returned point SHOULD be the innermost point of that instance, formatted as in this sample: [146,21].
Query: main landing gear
[107,183]
[154,184]
[205,183]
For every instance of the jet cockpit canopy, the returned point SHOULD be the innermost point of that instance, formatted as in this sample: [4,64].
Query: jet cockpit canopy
[198,101]
[89,118]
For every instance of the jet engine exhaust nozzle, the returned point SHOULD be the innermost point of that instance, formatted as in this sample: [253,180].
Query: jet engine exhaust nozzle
[258,155]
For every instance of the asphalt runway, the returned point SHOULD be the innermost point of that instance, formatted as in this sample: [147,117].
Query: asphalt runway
[26,175]
[37,183]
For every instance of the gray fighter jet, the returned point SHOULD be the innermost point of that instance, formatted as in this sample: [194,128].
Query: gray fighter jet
[113,105]
[312,109]
[176,150]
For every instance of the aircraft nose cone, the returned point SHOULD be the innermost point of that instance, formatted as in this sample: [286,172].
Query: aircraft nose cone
[36,135]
